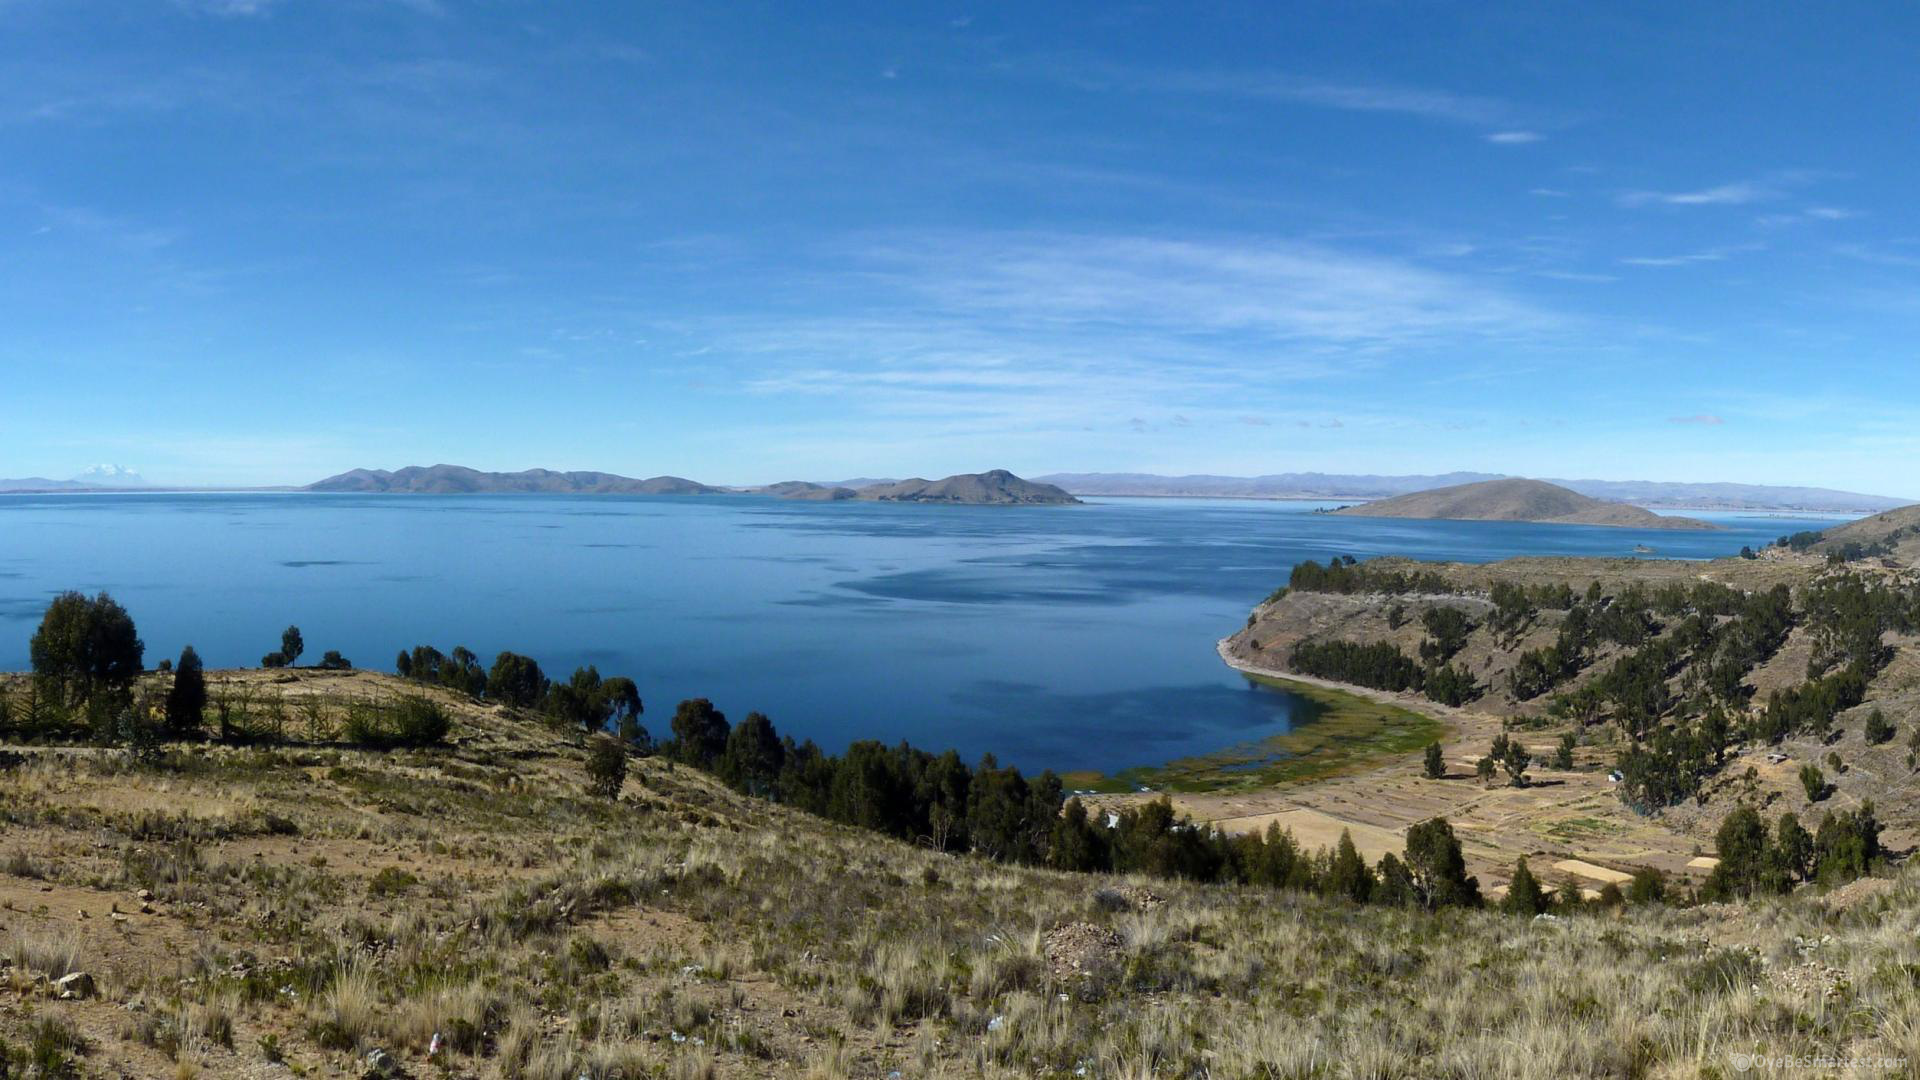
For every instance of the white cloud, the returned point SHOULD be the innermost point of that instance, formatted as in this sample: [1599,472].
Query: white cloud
[1766,188]
[1675,260]
[1724,195]
[1423,102]
[1034,332]
[1701,419]
[1515,138]
[1711,255]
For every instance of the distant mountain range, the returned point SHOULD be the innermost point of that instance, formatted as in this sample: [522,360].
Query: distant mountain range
[97,478]
[1313,485]
[1518,500]
[996,487]
[460,480]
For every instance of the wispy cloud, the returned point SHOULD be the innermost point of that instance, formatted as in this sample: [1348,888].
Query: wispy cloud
[1426,103]
[1515,138]
[228,8]
[1724,195]
[1701,419]
[1711,255]
[1774,185]
[1035,331]
[1863,253]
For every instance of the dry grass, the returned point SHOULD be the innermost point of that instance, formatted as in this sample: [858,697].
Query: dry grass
[686,932]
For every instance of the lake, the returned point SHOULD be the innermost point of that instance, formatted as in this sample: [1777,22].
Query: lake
[1077,637]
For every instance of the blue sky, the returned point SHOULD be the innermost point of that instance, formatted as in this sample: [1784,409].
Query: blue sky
[260,241]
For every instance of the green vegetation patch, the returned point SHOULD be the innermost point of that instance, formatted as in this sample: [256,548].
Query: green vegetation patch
[1334,733]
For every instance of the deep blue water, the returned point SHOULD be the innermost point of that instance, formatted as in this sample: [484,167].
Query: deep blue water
[1061,637]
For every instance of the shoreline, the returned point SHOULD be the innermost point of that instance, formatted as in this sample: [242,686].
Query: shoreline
[1432,710]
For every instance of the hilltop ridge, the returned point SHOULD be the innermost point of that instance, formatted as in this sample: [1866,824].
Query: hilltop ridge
[460,480]
[995,487]
[1516,499]
[1340,486]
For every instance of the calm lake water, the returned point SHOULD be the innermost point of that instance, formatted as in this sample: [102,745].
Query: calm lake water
[1063,637]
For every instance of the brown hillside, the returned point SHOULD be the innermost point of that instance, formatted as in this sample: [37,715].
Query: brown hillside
[1518,500]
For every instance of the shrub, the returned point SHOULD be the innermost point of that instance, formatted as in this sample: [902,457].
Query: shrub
[606,766]
[1435,764]
[1878,729]
[391,881]
[1563,753]
[411,721]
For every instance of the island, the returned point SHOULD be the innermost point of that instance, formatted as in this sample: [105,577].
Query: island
[1519,500]
[995,487]
[460,480]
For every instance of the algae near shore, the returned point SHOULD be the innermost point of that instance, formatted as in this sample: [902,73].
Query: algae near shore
[1341,733]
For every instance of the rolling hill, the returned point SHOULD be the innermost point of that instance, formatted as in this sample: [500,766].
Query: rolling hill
[1314,485]
[459,480]
[996,487]
[1518,500]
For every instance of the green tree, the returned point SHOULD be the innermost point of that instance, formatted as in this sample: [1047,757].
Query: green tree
[292,645]
[1347,874]
[515,680]
[606,766]
[1396,888]
[1484,769]
[753,756]
[1451,685]
[1524,896]
[1075,844]
[1563,753]
[1648,886]
[699,733]
[1435,764]
[1814,781]
[1878,729]
[1741,844]
[84,647]
[1512,756]
[622,697]
[1793,847]
[580,701]
[1439,869]
[187,698]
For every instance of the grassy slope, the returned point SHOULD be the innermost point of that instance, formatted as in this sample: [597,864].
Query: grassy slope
[325,901]
[1878,773]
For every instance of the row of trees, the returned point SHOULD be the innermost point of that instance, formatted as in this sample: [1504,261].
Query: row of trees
[1381,665]
[998,813]
[1345,574]
[1756,861]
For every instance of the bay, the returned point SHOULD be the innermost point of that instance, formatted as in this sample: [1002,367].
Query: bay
[1076,637]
